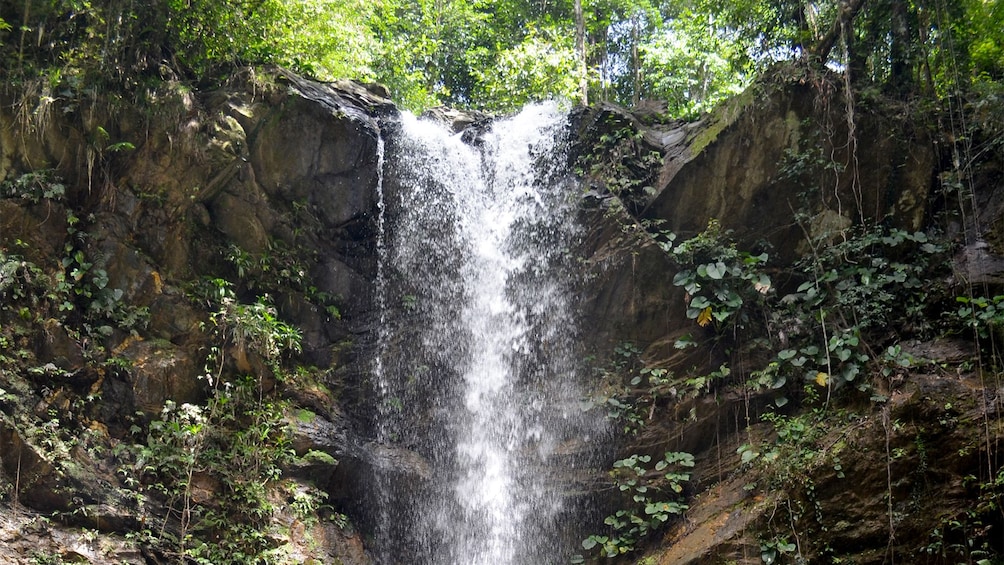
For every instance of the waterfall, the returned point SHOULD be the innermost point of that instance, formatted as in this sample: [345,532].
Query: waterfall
[477,372]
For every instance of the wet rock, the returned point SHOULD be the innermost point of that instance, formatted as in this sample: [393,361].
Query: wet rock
[286,172]
[732,170]
[161,371]
[59,348]
[41,229]
[237,218]
[314,432]
[977,264]
[172,316]
[456,120]
[918,450]
[31,469]
[52,475]
[328,156]
[28,538]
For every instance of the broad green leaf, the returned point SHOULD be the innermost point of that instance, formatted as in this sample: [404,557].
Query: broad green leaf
[700,302]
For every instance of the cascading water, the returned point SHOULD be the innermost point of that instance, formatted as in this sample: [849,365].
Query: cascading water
[476,371]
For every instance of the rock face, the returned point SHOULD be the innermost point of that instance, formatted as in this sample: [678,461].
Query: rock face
[769,166]
[269,183]
[780,167]
[765,157]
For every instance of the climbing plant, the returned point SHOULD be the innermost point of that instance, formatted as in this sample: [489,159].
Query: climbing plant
[651,495]
[723,283]
[239,437]
[621,160]
[853,286]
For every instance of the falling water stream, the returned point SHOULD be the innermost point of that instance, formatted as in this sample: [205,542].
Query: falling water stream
[477,369]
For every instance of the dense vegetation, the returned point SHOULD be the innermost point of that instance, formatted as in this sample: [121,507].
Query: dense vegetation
[678,57]
[498,55]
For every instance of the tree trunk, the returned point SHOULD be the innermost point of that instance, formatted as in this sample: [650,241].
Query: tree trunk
[635,62]
[927,83]
[901,67]
[580,50]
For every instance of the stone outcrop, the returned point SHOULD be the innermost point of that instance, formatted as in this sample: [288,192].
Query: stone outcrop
[768,165]
[269,182]
[779,166]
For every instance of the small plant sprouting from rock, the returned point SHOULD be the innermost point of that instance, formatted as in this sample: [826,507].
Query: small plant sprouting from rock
[652,496]
[239,441]
[623,161]
[827,330]
[719,279]
[632,391]
[35,187]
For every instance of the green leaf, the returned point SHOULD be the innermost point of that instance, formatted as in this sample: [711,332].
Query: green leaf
[682,278]
[850,372]
[685,342]
[121,146]
[680,457]
[715,271]
[700,303]
[747,453]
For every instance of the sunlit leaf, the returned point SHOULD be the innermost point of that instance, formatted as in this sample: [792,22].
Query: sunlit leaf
[704,318]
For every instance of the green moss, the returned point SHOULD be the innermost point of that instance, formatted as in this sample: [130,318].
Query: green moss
[315,456]
[723,117]
[305,416]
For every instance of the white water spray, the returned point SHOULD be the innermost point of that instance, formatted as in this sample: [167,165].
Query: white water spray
[477,368]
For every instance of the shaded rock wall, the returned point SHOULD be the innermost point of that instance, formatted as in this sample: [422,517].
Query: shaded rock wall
[269,183]
[779,166]
[776,165]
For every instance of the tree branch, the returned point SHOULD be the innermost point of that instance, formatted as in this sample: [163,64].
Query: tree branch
[847,11]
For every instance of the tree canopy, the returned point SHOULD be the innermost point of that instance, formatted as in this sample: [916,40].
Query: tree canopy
[498,54]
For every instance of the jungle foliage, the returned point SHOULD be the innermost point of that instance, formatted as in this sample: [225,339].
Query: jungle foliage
[688,54]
